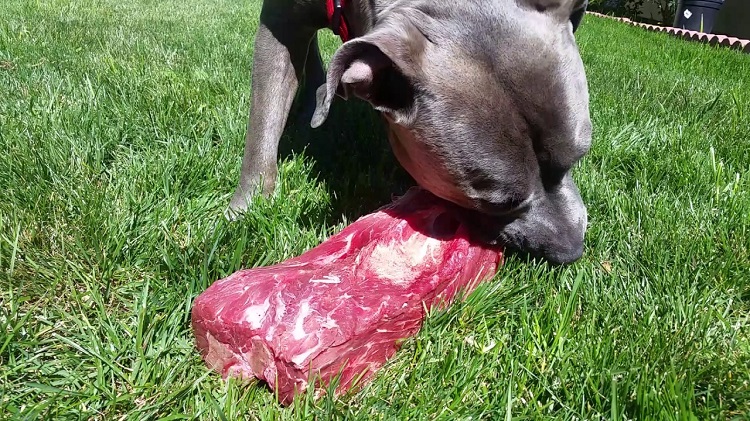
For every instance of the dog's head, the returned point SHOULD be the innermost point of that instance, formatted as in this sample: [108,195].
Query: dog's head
[487,107]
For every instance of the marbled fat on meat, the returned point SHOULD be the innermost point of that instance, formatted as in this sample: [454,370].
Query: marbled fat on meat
[344,306]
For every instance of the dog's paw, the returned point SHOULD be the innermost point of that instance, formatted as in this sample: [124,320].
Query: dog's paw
[232,214]
[249,189]
[238,206]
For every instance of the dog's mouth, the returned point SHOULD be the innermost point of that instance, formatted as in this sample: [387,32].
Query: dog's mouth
[482,228]
[485,224]
[430,167]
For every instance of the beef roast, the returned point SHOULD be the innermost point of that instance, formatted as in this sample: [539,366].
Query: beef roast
[343,307]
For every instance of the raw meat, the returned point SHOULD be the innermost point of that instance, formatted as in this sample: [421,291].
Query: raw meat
[345,306]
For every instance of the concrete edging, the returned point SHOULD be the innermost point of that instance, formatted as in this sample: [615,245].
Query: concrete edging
[742,45]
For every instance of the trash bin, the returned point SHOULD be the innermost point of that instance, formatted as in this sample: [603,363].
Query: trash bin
[734,19]
[697,15]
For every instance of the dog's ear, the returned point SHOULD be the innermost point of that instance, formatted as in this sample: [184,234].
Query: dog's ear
[577,15]
[380,68]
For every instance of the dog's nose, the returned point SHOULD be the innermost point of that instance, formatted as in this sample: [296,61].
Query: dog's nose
[564,253]
[552,227]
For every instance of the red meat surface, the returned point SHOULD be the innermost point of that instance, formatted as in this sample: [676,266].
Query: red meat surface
[343,307]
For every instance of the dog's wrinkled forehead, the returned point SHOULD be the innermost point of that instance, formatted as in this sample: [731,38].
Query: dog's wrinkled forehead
[456,18]
[482,50]
[492,27]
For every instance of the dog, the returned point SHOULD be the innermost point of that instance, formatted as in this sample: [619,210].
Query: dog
[485,102]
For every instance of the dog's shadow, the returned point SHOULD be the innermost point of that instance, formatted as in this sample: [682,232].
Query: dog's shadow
[350,153]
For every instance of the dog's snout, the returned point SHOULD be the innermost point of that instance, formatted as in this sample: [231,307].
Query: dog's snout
[551,226]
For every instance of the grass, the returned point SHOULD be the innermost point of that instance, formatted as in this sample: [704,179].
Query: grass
[121,128]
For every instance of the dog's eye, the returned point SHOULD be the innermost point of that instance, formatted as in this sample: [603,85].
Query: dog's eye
[577,15]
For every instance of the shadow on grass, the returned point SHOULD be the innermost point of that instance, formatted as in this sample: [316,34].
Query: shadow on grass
[350,153]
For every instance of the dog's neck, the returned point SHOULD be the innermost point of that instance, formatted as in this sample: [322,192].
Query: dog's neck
[355,18]
[361,15]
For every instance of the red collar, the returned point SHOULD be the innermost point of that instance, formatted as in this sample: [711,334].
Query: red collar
[336,18]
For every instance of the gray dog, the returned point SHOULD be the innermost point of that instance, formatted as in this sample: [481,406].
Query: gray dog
[485,101]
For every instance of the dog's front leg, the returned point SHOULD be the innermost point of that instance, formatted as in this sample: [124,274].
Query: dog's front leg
[281,47]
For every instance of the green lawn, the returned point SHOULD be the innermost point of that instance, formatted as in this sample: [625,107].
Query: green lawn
[121,128]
